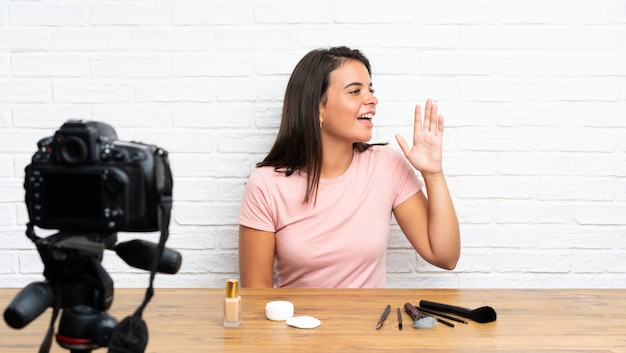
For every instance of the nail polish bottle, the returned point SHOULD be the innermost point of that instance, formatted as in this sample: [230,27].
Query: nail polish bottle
[232,304]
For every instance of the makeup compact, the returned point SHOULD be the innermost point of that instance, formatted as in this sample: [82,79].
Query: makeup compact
[279,310]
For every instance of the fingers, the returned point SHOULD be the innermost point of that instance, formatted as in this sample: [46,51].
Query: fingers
[427,114]
[404,146]
[417,123]
[432,121]
[440,125]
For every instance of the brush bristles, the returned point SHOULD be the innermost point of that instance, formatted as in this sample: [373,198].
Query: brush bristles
[425,322]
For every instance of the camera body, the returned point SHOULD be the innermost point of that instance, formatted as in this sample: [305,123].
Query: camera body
[83,179]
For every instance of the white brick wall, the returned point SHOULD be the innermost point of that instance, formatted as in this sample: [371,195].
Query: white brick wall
[534,95]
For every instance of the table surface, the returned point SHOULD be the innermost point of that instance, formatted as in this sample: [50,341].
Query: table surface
[190,320]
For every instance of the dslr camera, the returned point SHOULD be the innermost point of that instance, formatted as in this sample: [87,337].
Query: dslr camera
[88,185]
[83,179]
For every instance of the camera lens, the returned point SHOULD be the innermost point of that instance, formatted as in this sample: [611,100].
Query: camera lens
[73,150]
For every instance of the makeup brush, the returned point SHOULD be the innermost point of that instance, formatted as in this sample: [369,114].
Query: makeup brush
[481,315]
[447,323]
[432,312]
[419,320]
[383,317]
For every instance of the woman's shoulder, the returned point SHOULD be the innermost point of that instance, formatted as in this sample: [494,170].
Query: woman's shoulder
[268,175]
[264,170]
[381,152]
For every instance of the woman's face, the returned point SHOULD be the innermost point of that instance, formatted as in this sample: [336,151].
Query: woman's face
[350,104]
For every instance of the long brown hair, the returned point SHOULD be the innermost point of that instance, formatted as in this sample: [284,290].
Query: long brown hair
[298,144]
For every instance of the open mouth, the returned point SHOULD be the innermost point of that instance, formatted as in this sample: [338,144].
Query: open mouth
[366,117]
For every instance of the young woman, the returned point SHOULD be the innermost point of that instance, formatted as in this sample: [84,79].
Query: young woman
[316,211]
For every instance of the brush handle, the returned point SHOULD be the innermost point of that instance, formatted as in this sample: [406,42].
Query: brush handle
[464,312]
[414,313]
[433,312]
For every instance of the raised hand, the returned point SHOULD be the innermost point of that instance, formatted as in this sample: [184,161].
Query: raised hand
[425,154]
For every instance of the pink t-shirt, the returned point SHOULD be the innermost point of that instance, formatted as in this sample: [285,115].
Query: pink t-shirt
[341,240]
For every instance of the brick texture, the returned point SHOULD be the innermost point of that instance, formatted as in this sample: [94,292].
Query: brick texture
[533,93]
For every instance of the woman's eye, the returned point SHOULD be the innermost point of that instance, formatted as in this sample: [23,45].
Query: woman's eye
[355,92]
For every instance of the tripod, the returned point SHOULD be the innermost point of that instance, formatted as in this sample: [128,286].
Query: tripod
[77,284]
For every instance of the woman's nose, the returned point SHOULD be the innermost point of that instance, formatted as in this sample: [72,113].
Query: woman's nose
[371,99]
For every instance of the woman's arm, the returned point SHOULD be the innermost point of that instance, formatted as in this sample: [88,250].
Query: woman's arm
[256,257]
[431,224]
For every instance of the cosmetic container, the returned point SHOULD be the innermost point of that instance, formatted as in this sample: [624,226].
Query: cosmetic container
[279,310]
[232,304]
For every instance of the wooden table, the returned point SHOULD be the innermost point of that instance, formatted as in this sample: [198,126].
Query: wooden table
[190,320]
